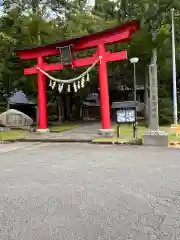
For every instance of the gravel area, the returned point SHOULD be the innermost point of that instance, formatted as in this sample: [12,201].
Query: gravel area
[87,132]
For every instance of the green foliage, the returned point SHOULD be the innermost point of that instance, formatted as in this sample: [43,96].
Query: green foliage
[165,111]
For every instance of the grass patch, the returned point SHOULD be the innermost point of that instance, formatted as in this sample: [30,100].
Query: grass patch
[64,127]
[16,134]
[126,135]
[117,141]
[126,132]
[12,135]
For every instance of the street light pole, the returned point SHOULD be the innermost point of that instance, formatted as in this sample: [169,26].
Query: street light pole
[174,72]
[134,64]
[134,61]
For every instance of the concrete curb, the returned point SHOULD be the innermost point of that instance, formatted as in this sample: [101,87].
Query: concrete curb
[117,143]
[107,143]
[49,140]
[53,140]
[67,141]
[90,141]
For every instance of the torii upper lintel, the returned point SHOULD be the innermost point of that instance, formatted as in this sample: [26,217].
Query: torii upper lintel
[118,34]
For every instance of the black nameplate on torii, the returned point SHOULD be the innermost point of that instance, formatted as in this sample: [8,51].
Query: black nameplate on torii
[66,55]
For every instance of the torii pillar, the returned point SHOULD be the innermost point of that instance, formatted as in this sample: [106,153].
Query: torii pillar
[104,93]
[42,109]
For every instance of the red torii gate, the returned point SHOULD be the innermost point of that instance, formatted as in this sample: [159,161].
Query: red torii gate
[97,40]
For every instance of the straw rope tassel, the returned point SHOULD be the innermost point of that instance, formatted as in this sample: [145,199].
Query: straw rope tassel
[69,88]
[50,83]
[53,85]
[88,78]
[60,87]
[75,88]
[82,82]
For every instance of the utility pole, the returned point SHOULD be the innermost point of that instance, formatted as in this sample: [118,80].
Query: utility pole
[174,72]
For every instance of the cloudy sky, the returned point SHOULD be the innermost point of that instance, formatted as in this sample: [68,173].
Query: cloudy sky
[91,2]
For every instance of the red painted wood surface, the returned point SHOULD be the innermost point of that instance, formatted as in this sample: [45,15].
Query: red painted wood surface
[104,91]
[42,116]
[119,34]
[108,57]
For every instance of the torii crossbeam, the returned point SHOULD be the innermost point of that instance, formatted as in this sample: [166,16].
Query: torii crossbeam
[97,40]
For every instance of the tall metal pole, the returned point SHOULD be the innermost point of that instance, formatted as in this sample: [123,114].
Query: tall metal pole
[174,72]
[135,98]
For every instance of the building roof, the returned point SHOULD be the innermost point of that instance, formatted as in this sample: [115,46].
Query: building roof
[19,98]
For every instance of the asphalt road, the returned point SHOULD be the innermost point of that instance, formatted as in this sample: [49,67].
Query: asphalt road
[88,192]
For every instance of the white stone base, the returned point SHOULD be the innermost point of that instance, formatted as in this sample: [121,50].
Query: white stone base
[42,130]
[155,138]
[106,132]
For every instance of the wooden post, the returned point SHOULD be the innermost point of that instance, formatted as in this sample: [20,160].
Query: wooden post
[42,112]
[104,92]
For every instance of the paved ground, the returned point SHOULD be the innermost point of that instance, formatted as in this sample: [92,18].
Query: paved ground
[87,132]
[88,192]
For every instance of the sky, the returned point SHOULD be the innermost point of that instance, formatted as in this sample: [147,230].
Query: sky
[91,2]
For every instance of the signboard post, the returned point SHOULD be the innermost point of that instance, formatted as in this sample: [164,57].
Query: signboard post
[126,116]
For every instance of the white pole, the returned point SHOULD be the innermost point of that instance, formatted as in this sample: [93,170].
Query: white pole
[174,71]
[134,82]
